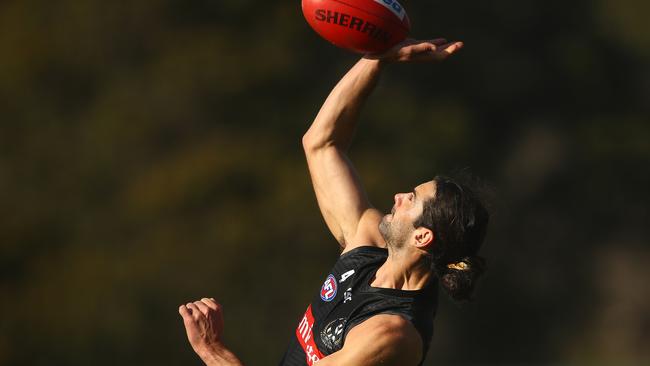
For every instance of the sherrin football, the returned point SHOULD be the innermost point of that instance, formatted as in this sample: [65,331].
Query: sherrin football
[362,26]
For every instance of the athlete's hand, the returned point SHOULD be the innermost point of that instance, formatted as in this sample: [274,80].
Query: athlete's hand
[411,50]
[203,322]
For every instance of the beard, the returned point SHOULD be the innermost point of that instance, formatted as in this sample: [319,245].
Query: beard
[393,232]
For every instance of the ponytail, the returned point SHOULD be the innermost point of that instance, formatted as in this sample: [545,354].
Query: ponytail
[459,279]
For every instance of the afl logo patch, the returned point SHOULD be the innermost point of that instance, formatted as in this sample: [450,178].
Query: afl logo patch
[328,291]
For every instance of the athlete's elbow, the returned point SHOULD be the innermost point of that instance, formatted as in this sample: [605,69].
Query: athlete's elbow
[308,141]
[312,142]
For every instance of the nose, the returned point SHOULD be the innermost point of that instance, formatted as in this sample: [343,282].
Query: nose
[398,198]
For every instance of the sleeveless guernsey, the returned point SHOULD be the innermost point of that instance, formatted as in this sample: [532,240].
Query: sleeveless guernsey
[347,299]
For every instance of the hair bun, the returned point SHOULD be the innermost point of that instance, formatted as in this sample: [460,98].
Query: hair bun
[459,278]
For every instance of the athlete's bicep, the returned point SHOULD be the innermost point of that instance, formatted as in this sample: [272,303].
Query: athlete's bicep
[341,197]
[381,340]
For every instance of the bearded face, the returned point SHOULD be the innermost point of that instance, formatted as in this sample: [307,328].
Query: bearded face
[397,227]
[395,232]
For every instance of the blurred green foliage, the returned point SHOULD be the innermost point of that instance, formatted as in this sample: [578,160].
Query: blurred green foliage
[150,155]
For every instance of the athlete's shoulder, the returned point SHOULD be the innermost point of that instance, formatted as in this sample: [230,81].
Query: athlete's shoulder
[391,326]
[384,339]
[395,338]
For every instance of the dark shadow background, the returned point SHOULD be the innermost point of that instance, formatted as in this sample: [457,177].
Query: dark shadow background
[150,155]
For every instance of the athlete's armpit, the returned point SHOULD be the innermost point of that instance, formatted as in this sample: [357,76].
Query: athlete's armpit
[381,340]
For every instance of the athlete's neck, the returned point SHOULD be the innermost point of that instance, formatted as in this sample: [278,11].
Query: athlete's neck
[402,271]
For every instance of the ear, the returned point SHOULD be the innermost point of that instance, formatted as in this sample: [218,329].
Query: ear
[424,238]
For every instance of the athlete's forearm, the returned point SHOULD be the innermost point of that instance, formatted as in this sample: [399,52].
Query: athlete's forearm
[336,121]
[220,356]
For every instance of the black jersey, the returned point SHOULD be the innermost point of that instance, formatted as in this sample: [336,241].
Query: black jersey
[347,299]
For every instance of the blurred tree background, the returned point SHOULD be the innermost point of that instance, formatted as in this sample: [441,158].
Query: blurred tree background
[150,155]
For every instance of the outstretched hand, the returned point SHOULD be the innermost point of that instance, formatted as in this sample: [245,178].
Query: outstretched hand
[411,50]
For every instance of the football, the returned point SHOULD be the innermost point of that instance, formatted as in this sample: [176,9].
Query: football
[362,26]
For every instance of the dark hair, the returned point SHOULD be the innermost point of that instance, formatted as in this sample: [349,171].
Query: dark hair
[459,221]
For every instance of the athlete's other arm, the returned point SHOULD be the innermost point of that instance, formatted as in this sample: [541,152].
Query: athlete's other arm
[387,340]
[381,340]
[341,198]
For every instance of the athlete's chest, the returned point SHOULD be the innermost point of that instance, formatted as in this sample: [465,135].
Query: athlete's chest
[340,299]
[343,296]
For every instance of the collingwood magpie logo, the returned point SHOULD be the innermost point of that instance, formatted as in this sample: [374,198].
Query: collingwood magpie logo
[332,334]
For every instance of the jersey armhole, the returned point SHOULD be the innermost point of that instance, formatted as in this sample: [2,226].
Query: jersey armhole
[365,248]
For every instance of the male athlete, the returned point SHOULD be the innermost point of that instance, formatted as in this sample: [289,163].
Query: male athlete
[377,304]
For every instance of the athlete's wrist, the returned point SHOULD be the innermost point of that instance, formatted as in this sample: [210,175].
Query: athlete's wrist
[218,355]
[375,63]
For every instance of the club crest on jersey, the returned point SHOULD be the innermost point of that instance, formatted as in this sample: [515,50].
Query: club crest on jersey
[328,291]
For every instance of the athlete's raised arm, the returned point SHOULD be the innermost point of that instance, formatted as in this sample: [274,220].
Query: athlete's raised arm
[341,198]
